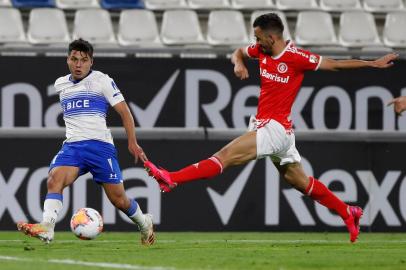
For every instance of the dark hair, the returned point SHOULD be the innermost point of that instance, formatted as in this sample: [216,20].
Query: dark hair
[271,22]
[81,45]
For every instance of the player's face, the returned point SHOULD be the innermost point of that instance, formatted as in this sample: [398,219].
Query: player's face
[264,39]
[79,64]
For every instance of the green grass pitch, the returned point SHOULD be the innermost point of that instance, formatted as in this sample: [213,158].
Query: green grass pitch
[172,251]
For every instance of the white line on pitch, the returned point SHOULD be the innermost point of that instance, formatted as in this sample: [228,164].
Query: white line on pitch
[91,264]
[11,240]
[256,241]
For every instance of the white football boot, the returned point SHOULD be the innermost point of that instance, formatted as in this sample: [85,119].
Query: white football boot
[147,231]
[38,230]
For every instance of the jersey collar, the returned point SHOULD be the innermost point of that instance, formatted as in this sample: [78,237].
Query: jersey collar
[76,81]
[288,43]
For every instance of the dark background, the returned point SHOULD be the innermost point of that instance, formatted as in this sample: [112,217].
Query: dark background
[189,207]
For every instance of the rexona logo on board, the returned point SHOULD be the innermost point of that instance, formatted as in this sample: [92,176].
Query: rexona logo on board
[355,184]
[229,108]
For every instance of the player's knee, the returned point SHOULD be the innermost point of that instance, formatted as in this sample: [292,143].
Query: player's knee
[289,177]
[228,158]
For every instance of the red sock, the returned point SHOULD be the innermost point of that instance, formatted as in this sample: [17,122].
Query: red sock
[320,193]
[204,169]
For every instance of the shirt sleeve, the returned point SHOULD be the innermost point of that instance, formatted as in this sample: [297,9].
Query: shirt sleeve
[253,50]
[111,91]
[307,60]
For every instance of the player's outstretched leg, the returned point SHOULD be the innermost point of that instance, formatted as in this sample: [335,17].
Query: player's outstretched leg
[161,175]
[44,230]
[203,169]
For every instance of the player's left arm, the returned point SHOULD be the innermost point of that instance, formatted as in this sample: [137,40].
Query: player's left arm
[334,65]
[128,122]
[238,58]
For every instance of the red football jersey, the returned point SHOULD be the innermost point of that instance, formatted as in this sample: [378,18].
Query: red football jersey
[281,78]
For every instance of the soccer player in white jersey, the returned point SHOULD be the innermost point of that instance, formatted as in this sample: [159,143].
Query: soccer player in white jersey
[85,96]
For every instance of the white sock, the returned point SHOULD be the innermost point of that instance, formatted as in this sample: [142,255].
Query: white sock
[52,207]
[138,217]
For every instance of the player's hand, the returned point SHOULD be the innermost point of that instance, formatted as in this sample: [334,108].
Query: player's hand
[137,152]
[241,71]
[399,104]
[385,61]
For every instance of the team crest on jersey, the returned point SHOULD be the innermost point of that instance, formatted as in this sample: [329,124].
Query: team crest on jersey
[282,67]
[313,59]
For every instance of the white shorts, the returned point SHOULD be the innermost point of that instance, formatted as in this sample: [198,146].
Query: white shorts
[275,141]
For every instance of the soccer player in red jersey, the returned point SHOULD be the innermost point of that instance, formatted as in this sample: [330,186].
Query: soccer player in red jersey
[282,67]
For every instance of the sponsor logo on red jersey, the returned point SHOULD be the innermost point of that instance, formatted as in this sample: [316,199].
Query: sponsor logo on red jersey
[274,76]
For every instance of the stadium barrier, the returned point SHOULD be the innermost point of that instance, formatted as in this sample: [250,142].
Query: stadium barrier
[364,168]
[190,93]
[202,133]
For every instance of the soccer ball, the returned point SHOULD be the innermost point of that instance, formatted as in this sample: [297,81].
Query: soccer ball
[86,223]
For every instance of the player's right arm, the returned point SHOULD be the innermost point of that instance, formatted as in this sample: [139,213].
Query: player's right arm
[116,100]
[238,59]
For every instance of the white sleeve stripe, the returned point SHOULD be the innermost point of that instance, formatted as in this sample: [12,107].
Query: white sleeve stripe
[117,100]
[318,65]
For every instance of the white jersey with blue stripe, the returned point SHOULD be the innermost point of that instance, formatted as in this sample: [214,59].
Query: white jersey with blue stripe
[85,104]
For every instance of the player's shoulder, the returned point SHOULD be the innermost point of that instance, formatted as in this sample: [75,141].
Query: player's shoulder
[252,50]
[302,58]
[98,75]
[106,81]
[253,46]
[298,52]
[295,51]
[62,82]
[103,77]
